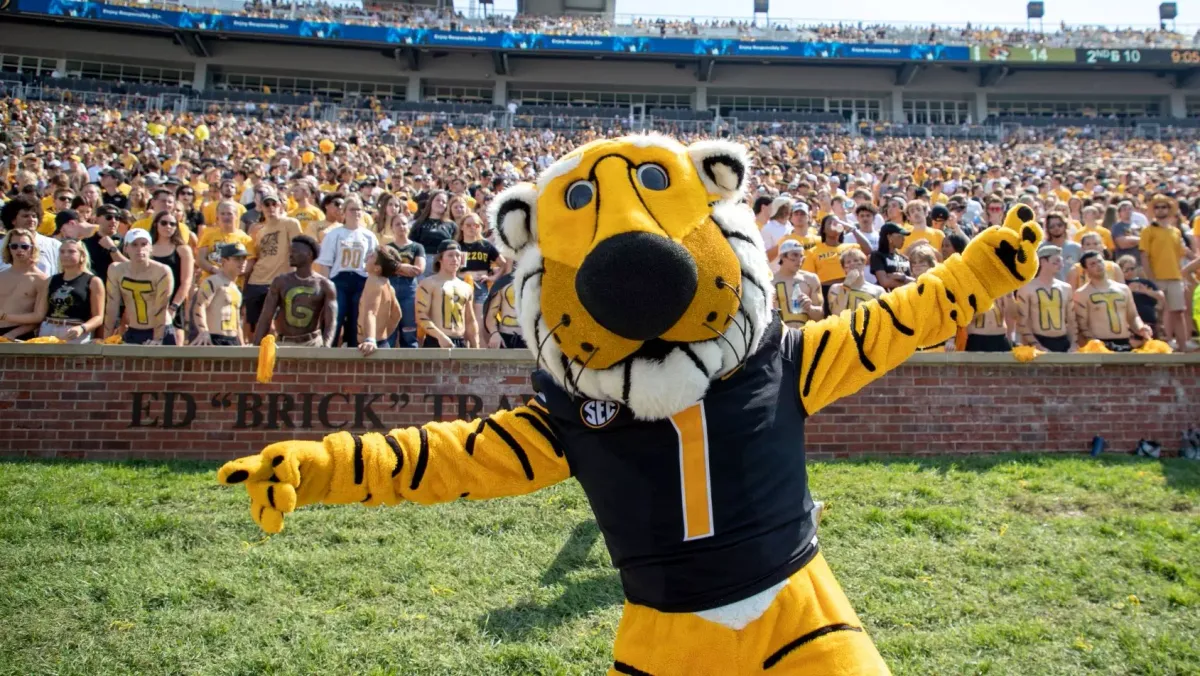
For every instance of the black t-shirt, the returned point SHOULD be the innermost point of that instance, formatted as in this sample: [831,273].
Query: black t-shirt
[430,233]
[480,255]
[1147,305]
[70,299]
[408,253]
[892,263]
[101,257]
[116,199]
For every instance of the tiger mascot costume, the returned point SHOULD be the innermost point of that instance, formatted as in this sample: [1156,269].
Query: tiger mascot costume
[668,387]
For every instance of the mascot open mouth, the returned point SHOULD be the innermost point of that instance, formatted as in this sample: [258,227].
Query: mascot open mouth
[640,278]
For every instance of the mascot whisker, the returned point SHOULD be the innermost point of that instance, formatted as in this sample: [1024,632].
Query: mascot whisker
[668,387]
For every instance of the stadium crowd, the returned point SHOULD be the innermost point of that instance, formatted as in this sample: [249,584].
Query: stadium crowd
[216,229]
[422,16]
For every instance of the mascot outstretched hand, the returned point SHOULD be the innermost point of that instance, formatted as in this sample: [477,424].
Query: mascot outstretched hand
[670,390]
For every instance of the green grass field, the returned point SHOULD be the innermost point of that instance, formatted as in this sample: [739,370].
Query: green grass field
[998,565]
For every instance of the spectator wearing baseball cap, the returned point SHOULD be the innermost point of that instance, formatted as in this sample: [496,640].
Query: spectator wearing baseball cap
[104,245]
[142,303]
[272,247]
[891,267]
[218,304]
[801,300]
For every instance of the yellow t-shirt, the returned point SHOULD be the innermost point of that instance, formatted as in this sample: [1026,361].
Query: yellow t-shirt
[272,245]
[931,235]
[1164,247]
[807,241]
[826,261]
[213,237]
[1105,236]
[308,213]
[209,211]
[47,226]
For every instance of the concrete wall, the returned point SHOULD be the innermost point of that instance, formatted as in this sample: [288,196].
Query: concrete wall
[108,402]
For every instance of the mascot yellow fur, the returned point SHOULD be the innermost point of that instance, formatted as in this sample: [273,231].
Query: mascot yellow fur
[670,390]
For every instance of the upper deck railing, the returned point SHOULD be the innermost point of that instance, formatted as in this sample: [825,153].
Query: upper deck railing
[850,31]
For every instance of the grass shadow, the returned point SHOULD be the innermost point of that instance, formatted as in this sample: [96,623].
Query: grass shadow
[176,466]
[578,598]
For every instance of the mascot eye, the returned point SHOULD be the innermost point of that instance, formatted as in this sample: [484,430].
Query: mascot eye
[579,194]
[652,177]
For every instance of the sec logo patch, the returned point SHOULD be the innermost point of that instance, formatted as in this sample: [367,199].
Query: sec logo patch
[597,414]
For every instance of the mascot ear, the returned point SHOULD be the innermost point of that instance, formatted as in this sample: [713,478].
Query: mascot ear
[722,166]
[511,213]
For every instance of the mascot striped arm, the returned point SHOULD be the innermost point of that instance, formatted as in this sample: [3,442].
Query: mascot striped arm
[670,390]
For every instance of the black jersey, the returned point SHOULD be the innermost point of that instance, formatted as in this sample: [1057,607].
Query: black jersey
[709,506]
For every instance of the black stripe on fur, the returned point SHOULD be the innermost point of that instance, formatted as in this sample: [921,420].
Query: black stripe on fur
[860,338]
[807,638]
[359,469]
[812,368]
[543,430]
[396,450]
[512,443]
[422,460]
[622,668]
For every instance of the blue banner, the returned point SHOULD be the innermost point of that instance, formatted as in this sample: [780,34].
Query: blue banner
[538,42]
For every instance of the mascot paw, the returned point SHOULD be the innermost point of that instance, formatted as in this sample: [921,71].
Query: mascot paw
[1004,257]
[284,476]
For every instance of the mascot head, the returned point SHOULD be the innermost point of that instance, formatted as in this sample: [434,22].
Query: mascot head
[639,277]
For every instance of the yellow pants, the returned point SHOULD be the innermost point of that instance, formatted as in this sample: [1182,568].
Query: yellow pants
[808,630]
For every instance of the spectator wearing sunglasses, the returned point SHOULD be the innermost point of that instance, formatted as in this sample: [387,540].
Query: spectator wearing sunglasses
[104,245]
[23,287]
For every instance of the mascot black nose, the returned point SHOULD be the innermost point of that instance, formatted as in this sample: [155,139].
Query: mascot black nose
[637,285]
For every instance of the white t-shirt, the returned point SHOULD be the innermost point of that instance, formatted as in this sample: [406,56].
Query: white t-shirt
[773,232]
[346,250]
[872,239]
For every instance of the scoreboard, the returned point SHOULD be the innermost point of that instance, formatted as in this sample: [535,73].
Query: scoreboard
[1182,58]
[1007,54]
[1138,57]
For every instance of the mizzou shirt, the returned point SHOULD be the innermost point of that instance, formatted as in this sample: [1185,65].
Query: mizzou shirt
[346,250]
[709,506]
[214,237]
[826,261]
[272,246]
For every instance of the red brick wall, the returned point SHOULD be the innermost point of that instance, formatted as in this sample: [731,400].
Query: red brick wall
[115,402]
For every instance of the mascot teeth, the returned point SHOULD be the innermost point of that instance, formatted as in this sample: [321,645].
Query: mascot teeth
[673,393]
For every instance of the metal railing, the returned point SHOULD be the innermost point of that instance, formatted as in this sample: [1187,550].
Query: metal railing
[425,123]
[485,18]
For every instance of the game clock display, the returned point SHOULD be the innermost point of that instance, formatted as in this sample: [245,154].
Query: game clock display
[1138,57]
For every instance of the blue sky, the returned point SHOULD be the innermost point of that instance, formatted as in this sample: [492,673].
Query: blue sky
[1091,12]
